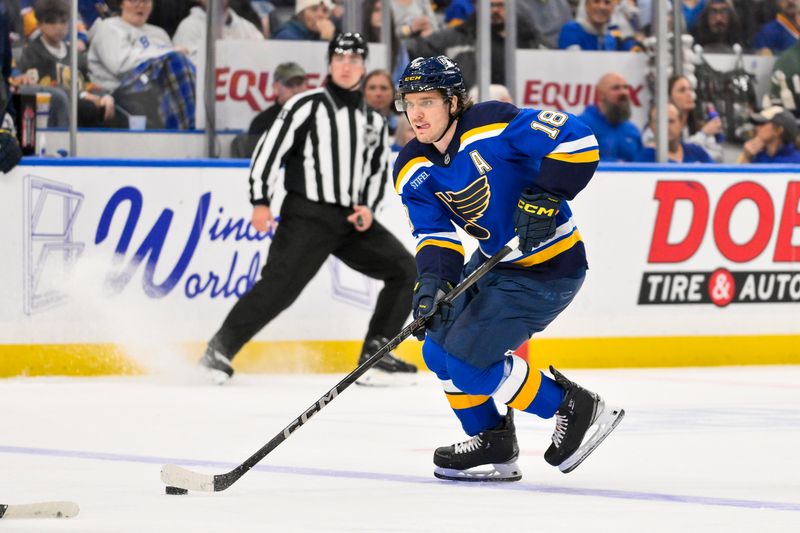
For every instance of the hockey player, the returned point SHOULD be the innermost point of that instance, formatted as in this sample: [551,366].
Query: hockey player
[335,153]
[494,171]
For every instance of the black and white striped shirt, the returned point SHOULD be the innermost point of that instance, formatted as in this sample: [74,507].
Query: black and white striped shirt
[332,151]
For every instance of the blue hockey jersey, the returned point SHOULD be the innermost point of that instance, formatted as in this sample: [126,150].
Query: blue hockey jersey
[497,152]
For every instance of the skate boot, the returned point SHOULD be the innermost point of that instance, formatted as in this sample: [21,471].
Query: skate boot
[389,371]
[490,455]
[216,366]
[583,420]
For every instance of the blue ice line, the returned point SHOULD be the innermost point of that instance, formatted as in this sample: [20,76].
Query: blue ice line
[525,487]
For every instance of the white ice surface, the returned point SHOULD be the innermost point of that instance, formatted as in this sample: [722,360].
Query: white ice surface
[700,450]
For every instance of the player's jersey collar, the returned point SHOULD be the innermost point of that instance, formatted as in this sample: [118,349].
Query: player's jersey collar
[445,159]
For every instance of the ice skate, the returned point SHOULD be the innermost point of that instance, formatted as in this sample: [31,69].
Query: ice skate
[490,455]
[583,420]
[216,366]
[387,372]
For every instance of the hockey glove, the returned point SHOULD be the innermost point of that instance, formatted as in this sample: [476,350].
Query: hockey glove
[428,291]
[535,219]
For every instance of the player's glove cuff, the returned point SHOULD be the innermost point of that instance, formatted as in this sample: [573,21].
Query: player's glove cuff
[428,292]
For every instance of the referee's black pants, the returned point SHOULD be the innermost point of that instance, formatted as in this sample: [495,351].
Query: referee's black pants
[307,234]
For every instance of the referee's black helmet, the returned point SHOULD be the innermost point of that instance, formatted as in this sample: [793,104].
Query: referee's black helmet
[348,43]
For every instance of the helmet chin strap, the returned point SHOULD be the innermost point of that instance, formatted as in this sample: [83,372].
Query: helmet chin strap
[356,84]
[452,118]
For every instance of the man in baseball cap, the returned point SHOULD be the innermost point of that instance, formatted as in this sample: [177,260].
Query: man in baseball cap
[775,140]
[288,80]
[311,22]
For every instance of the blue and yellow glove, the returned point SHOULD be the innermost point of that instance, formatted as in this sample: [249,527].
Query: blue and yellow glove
[428,292]
[535,219]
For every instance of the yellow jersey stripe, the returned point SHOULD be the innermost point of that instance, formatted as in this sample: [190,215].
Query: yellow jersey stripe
[441,244]
[550,252]
[528,390]
[589,156]
[407,170]
[465,401]
[483,129]
[475,134]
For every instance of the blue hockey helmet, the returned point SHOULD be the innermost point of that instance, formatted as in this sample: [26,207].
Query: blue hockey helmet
[430,74]
[348,43]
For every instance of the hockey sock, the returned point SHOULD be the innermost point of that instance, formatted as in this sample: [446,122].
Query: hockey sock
[528,389]
[471,399]
[476,413]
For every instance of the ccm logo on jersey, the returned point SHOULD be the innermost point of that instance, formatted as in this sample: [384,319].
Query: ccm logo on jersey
[538,210]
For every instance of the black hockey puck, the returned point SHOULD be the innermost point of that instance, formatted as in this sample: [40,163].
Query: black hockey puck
[176,490]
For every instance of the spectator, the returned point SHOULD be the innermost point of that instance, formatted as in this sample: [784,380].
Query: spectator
[379,95]
[458,11]
[754,14]
[781,33]
[625,23]
[289,80]
[590,29]
[168,14]
[460,43]
[29,21]
[414,18]
[546,17]
[677,150]
[786,78]
[138,64]
[311,22]
[718,28]
[703,134]
[496,92]
[191,32]
[258,12]
[45,64]
[775,140]
[691,12]
[619,139]
[373,21]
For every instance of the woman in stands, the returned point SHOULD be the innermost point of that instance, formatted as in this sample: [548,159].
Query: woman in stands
[379,95]
[697,131]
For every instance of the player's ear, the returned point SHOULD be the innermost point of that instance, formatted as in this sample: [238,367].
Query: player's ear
[453,104]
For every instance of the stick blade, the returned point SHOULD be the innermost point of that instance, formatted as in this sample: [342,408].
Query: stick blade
[177,476]
[41,510]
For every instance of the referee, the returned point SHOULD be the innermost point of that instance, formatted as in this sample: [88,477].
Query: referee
[335,153]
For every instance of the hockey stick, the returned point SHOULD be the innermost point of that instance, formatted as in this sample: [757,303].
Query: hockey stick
[40,510]
[178,477]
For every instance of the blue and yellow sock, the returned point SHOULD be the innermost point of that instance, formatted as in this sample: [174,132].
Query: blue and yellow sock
[528,389]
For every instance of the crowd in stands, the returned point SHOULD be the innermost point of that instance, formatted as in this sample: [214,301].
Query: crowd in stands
[137,57]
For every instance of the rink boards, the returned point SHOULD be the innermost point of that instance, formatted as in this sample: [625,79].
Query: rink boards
[108,265]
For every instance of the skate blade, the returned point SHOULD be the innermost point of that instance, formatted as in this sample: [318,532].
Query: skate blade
[603,425]
[217,377]
[375,377]
[484,473]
